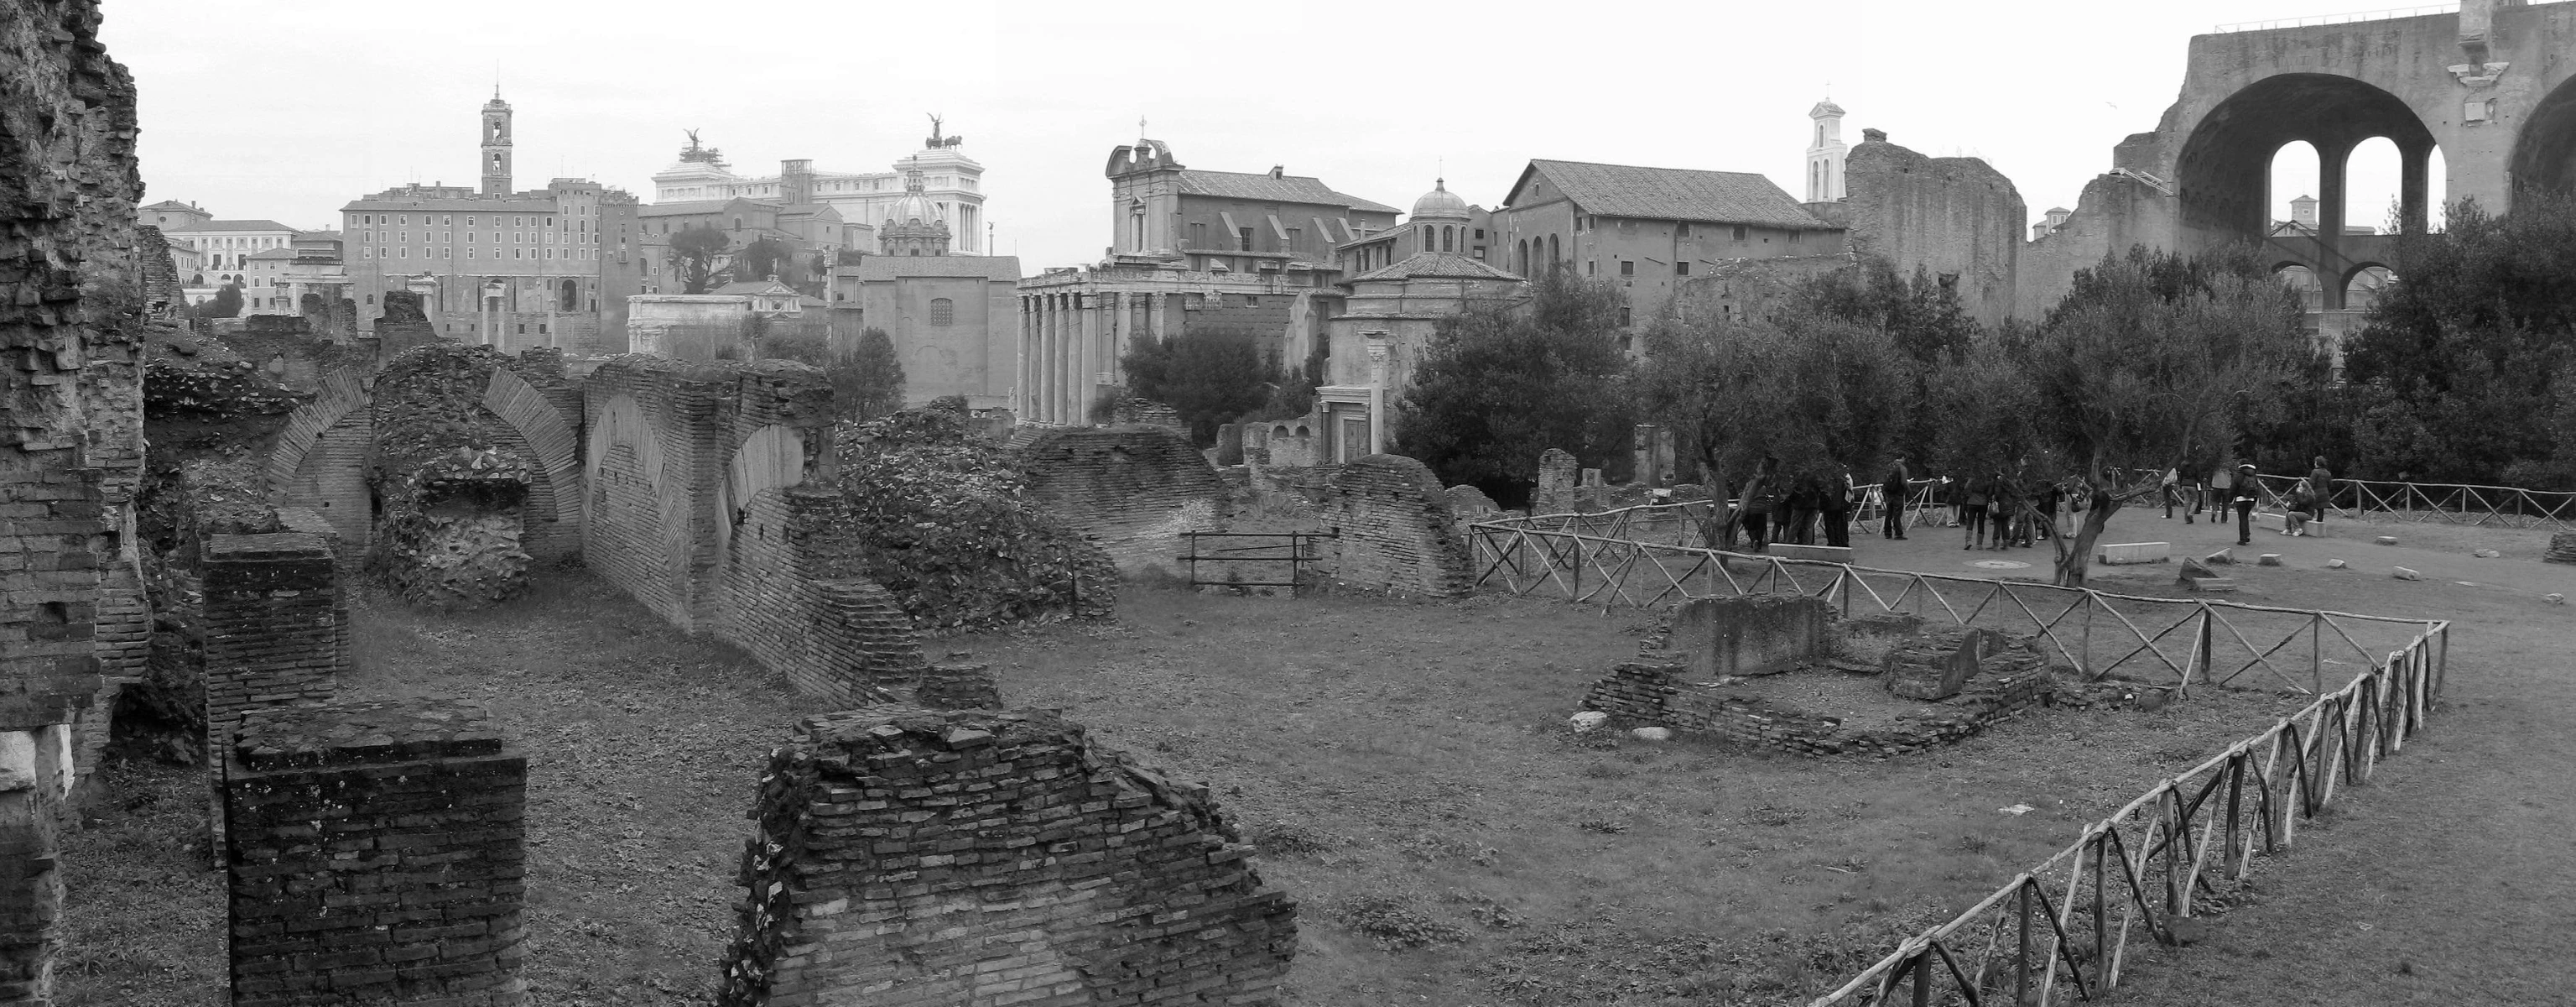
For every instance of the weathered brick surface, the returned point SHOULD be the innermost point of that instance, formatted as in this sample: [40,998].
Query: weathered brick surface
[661,435]
[376,856]
[71,297]
[959,687]
[1137,488]
[2562,548]
[1397,531]
[276,631]
[918,858]
[839,638]
[1936,665]
[1750,634]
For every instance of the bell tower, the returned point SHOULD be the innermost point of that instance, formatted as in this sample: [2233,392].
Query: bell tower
[1825,153]
[496,145]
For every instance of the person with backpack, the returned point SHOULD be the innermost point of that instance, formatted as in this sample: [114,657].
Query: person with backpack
[2320,487]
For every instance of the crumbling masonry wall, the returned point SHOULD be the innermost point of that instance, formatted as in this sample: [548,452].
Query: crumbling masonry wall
[70,312]
[1953,217]
[376,856]
[834,636]
[918,858]
[1397,529]
[1137,488]
[36,776]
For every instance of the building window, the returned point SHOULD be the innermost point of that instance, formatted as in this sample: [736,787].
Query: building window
[1681,230]
[1739,232]
[1198,235]
[943,311]
[1243,239]
[1793,236]
[1681,269]
[1627,267]
[1591,267]
[1623,317]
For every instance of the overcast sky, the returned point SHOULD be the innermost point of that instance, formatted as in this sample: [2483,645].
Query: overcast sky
[286,109]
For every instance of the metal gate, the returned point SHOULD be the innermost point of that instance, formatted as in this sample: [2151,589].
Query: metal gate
[1280,558]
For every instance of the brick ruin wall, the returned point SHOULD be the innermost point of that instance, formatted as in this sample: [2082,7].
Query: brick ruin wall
[276,631]
[916,858]
[702,506]
[1397,530]
[376,855]
[2114,213]
[1137,488]
[36,776]
[1950,216]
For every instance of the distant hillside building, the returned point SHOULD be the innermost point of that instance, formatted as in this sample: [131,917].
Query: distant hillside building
[223,247]
[1651,228]
[953,183]
[1193,252]
[953,318]
[543,267]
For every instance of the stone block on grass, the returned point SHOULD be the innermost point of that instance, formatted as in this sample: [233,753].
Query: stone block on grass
[2386,540]
[2562,548]
[1751,635]
[2223,557]
[2268,559]
[2402,573]
[2211,585]
[2114,554]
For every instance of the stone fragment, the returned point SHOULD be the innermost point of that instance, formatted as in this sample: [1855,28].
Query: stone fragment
[1652,734]
[2386,540]
[2402,573]
[2487,554]
[2268,559]
[2211,585]
[1588,720]
[2334,564]
[2114,554]
[2562,548]
[2192,570]
[2555,599]
[2223,557]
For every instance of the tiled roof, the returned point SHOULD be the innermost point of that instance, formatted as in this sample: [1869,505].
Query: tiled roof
[748,287]
[697,206]
[892,267]
[1724,197]
[1435,265]
[229,225]
[1284,189]
[171,204]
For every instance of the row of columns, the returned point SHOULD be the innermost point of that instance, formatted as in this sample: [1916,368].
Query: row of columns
[1067,340]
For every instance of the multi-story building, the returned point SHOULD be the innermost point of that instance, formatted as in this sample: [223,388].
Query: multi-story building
[1194,252]
[544,267]
[953,182]
[812,233]
[953,318]
[170,213]
[1427,270]
[1651,228]
[224,247]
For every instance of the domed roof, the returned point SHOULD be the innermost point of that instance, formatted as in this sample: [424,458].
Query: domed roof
[1440,202]
[914,208]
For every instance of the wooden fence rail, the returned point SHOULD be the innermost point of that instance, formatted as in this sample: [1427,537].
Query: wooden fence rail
[2166,641]
[2059,932]
[2435,503]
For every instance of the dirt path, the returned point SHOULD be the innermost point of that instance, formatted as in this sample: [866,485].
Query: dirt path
[2451,879]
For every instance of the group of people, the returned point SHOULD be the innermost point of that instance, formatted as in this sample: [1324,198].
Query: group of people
[2238,488]
[1791,513]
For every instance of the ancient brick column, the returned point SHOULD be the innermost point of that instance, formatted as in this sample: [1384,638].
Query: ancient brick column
[376,855]
[277,633]
[917,858]
[36,742]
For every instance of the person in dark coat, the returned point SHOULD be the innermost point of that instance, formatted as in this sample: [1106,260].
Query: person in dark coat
[1837,508]
[2245,489]
[1891,493]
[1798,511]
[2320,487]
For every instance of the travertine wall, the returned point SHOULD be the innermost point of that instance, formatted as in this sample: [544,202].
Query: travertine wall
[1397,529]
[916,858]
[376,856]
[1757,634]
[1950,216]
[1136,487]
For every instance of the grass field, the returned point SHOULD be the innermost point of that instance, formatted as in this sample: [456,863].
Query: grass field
[1405,770]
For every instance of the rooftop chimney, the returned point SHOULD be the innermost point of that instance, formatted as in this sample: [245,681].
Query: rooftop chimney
[1278,171]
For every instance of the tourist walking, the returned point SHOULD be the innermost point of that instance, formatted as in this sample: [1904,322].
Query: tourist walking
[1891,497]
[1799,510]
[1972,512]
[2221,492]
[1761,497]
[2244,491]
[2172,476]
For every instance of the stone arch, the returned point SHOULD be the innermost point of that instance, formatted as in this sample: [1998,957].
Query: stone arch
[2222,172]
[773,457]
[2297,275]
[342,392]
[319,461]
[634,520]
[2544,152]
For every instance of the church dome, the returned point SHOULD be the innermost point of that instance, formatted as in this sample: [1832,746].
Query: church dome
[913,208]
[1440,202]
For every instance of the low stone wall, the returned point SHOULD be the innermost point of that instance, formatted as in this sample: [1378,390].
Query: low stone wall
[1397,530]
[2562,548]
[1662,694]
[1135,487]
[376,855]
[916,858]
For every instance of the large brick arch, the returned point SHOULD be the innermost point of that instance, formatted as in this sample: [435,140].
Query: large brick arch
[555,504]
[342,392]
[634,521]
[772,457]
[319,461]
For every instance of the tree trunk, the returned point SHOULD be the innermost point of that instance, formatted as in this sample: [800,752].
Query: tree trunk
[1718,532]
[2074,558]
